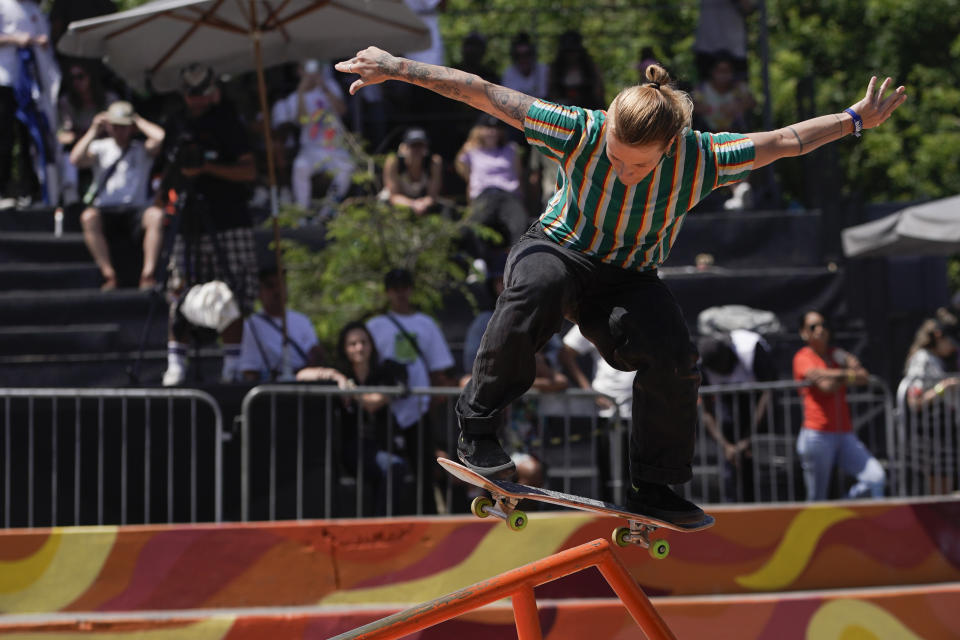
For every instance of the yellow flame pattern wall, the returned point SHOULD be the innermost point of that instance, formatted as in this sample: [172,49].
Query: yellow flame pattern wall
[760,555]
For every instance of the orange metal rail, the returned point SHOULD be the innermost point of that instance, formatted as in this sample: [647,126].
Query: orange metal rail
[518,584]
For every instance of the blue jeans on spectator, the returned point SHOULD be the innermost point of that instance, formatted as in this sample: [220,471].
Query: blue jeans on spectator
[821,451]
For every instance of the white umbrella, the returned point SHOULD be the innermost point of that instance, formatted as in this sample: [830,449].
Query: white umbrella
[156,40]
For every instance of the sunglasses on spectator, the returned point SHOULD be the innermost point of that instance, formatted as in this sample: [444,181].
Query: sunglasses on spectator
[811,327]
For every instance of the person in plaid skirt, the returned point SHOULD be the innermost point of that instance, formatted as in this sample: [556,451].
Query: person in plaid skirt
[212,167]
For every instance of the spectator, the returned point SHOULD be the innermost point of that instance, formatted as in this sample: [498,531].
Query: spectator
[574,77]
[82,97]
[412,177]
[827,439]
[722,103]
[121,175]
[261,349]
[471,342]
[491,165]
[414,340]
[211,171]
[29,83]
[365,419]
[473,51]
[733,419]
[316,108]
[428,10]
[932,401]
[616,401]
[525,73]
[722,28]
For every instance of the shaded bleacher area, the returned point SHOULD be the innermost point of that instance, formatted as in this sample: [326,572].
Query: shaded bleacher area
[58,329]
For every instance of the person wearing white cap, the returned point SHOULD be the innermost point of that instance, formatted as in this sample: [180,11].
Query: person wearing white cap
[121,165]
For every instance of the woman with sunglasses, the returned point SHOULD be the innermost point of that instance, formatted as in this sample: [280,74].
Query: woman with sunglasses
[827,439]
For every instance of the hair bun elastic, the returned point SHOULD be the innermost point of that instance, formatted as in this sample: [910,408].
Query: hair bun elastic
[655,85]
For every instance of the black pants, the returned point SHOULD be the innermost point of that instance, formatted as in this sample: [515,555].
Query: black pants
[632,318]
[11,128]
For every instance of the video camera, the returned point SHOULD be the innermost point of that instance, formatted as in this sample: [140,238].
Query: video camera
[188,153]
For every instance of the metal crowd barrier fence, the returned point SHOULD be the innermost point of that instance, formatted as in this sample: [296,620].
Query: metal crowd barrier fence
[928,435]
[110,456]
[305,453]
[770,415]
[123,456]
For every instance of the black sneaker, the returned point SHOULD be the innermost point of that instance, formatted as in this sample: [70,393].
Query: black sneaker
[484,455]
[659,501]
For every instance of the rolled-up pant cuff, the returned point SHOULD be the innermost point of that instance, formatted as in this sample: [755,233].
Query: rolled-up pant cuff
[480,425]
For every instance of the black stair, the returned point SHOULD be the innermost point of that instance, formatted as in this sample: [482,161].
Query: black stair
[35,246]
[39,276]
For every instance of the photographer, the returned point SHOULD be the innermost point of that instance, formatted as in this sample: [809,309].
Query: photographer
[210,169]
[118,195]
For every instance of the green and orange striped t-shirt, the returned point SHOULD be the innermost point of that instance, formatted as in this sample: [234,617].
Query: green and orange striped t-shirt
[633,227]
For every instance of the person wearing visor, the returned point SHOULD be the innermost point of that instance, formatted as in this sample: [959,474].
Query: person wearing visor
[628,175]
[211,168]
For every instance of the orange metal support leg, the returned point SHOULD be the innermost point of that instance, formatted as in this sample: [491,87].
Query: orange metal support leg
[519,583]
[634,599]
[526,615]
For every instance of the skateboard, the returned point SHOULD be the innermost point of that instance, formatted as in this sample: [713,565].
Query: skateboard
[505,495]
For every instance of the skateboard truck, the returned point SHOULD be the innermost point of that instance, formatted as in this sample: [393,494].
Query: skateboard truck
[500,507]
[639,533]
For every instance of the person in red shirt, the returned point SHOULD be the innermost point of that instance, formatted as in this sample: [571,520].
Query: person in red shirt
[827,438]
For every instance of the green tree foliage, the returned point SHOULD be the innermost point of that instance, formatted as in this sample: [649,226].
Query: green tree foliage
[839,44]
[365,239]
[832,45]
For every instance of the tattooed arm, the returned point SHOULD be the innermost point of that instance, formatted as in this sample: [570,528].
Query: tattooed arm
[804,137]
[374,65]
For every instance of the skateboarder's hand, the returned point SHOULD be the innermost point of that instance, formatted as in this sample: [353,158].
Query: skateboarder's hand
[373,65]
[874,108]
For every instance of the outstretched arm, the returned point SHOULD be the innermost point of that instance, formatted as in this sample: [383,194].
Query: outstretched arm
[375,65]
[804,137]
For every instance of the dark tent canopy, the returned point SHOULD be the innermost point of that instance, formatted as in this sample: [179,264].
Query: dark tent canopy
[928,229]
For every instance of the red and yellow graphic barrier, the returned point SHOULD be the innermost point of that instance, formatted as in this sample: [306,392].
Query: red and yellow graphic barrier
[915,613]
[750,550]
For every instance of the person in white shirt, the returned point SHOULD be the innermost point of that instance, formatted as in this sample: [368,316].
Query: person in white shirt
[317,107]
[415,340]
[616,401]
[121,173]
[24,28]
[739,357]
[261,348]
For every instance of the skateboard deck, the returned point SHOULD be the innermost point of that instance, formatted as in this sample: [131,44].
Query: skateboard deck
[505,495]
